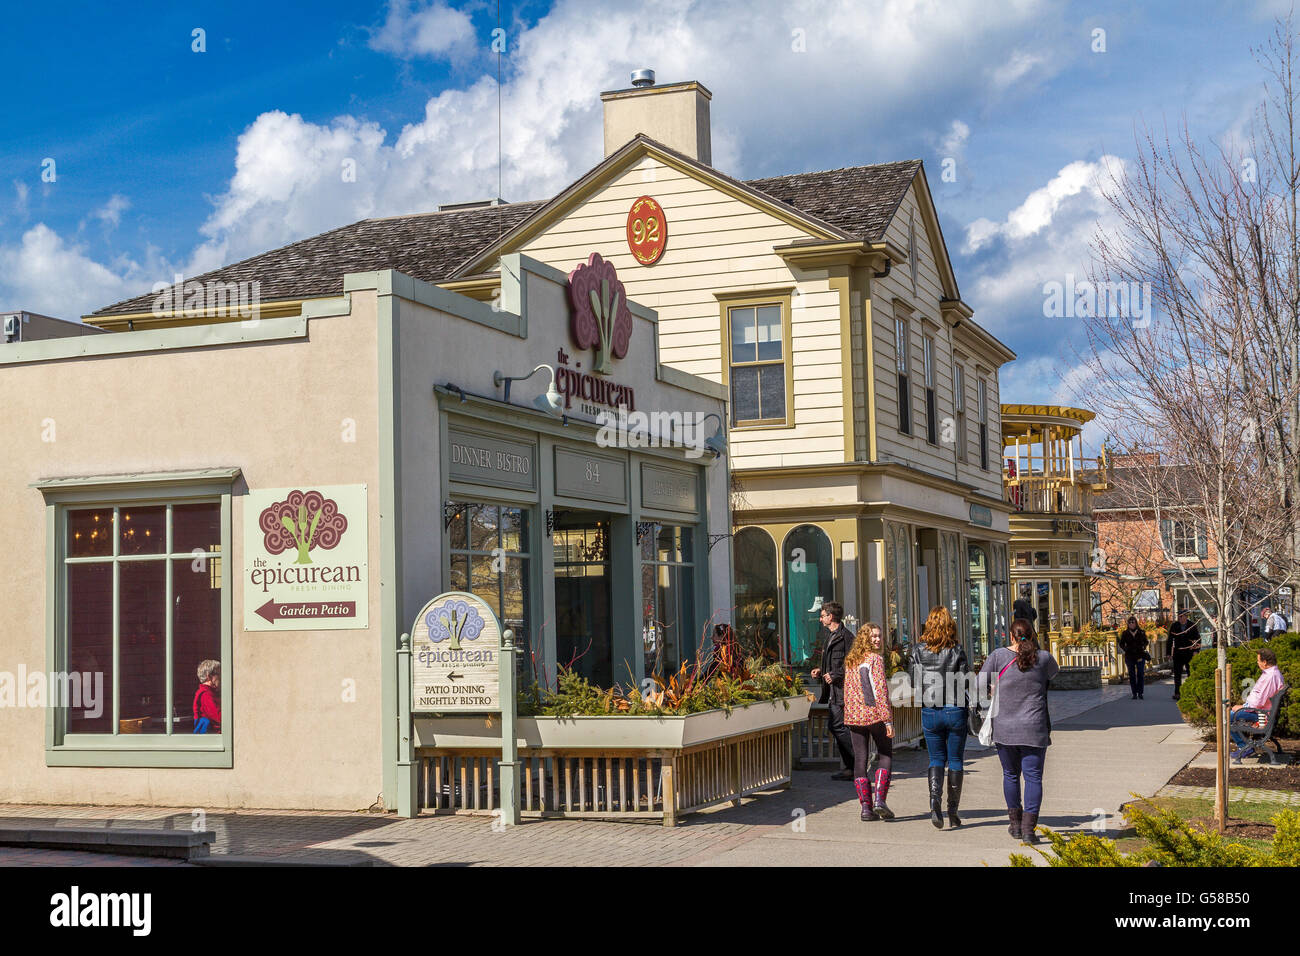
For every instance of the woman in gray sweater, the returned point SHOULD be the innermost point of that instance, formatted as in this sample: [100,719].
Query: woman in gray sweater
[1021,728]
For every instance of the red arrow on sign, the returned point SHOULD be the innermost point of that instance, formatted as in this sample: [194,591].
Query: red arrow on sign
[307,610]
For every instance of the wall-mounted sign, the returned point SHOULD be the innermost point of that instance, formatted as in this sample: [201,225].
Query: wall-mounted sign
[491,461]
[647,231]
[668,489]
[981,516]
[305,559]
[456,656]
[601,319]
[579,474]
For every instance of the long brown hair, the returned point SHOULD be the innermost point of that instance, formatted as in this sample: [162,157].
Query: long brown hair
[940,630]
[1025,643]
[862,645]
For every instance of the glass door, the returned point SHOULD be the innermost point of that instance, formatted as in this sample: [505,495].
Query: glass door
[583,627]
[977,647]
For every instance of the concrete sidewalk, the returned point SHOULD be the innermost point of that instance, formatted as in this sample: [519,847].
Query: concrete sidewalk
[1097,758]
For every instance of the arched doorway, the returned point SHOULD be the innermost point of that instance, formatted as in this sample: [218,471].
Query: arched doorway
[757,594]
[809,582]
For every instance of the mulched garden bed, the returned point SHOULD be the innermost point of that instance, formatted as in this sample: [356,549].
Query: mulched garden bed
[1238,829]
[1278,778]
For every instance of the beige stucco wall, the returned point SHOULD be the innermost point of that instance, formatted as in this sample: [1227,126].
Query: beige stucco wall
[277,410]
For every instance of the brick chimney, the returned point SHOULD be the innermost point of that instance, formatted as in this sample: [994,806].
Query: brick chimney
[675,114]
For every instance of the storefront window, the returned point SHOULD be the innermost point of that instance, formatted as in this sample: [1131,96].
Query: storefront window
[1039,596]
[999,596]
[667,596]
[809,582]
[142,587]
[899,577]
[756,595]
[951,576]
[488,557]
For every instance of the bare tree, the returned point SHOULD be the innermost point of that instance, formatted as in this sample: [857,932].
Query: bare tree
[1208,374]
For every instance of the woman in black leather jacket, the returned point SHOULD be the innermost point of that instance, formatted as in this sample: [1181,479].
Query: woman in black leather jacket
[940,676]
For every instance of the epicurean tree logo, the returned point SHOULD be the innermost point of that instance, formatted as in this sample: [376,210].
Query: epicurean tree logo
[302,521]
[600,314]
[454,621]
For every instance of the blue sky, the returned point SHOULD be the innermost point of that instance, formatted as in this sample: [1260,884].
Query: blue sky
[168,160]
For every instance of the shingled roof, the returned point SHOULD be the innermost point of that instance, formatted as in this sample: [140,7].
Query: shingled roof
[860,200]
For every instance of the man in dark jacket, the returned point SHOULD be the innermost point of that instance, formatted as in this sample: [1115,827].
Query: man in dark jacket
[1184,642]
[835,641]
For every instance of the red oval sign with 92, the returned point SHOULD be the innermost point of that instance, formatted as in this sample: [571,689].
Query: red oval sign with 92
[647,231]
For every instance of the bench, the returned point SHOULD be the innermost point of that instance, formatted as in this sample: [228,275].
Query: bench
[1259,737]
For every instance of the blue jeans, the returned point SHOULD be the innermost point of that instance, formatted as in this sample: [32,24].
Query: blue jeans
[1245,716]
[1136,672]
[1026,761]
[945,735]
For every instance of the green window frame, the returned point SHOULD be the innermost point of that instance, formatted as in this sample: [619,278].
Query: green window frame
[115,748]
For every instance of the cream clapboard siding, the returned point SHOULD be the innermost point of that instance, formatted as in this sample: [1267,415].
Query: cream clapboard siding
[892,444]
[716,244]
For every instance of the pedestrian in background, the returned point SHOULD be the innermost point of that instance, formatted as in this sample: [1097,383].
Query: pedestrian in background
[1022,729]
[868,716]
[1133,645]
[1184,642]
[939,672]
[835,640]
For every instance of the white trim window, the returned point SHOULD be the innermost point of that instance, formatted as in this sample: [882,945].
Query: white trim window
[984,422]
[931,406]
[901,341]
[959,407]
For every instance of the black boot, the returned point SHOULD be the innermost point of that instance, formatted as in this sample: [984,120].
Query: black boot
[954,796]
[1027,833]
[936,797]
[1016,822]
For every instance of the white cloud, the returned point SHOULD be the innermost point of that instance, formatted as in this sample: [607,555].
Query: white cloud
[110,214]
[44,273]
[287,185]
[954,141]
[1041,206]
[433,30]
[1015,68]
[797,86]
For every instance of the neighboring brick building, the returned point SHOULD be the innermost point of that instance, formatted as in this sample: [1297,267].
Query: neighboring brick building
[1153,569]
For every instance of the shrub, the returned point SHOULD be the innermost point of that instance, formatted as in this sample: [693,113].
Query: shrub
[1172,841]
[1196,700]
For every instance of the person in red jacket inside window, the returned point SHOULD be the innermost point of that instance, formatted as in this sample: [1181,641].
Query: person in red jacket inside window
[206,704]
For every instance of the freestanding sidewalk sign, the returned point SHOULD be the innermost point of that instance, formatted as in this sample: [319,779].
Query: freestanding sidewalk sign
[457,660]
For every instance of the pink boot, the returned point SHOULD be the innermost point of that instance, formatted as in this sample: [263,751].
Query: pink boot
[863,786]
[882,789]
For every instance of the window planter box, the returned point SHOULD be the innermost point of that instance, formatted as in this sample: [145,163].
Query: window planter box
[610,767]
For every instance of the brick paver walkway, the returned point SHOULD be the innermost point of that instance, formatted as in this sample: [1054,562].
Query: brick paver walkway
[1236,794]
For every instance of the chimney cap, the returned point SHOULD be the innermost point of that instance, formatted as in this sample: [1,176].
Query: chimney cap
[641,78]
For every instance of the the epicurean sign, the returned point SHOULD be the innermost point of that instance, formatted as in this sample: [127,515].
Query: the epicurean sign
[456,656]
[305,552]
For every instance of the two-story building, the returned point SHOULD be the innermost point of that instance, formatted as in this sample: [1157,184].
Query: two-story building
[863,400]
[1052,487]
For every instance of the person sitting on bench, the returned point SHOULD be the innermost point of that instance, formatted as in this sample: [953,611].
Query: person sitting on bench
[1257,701]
